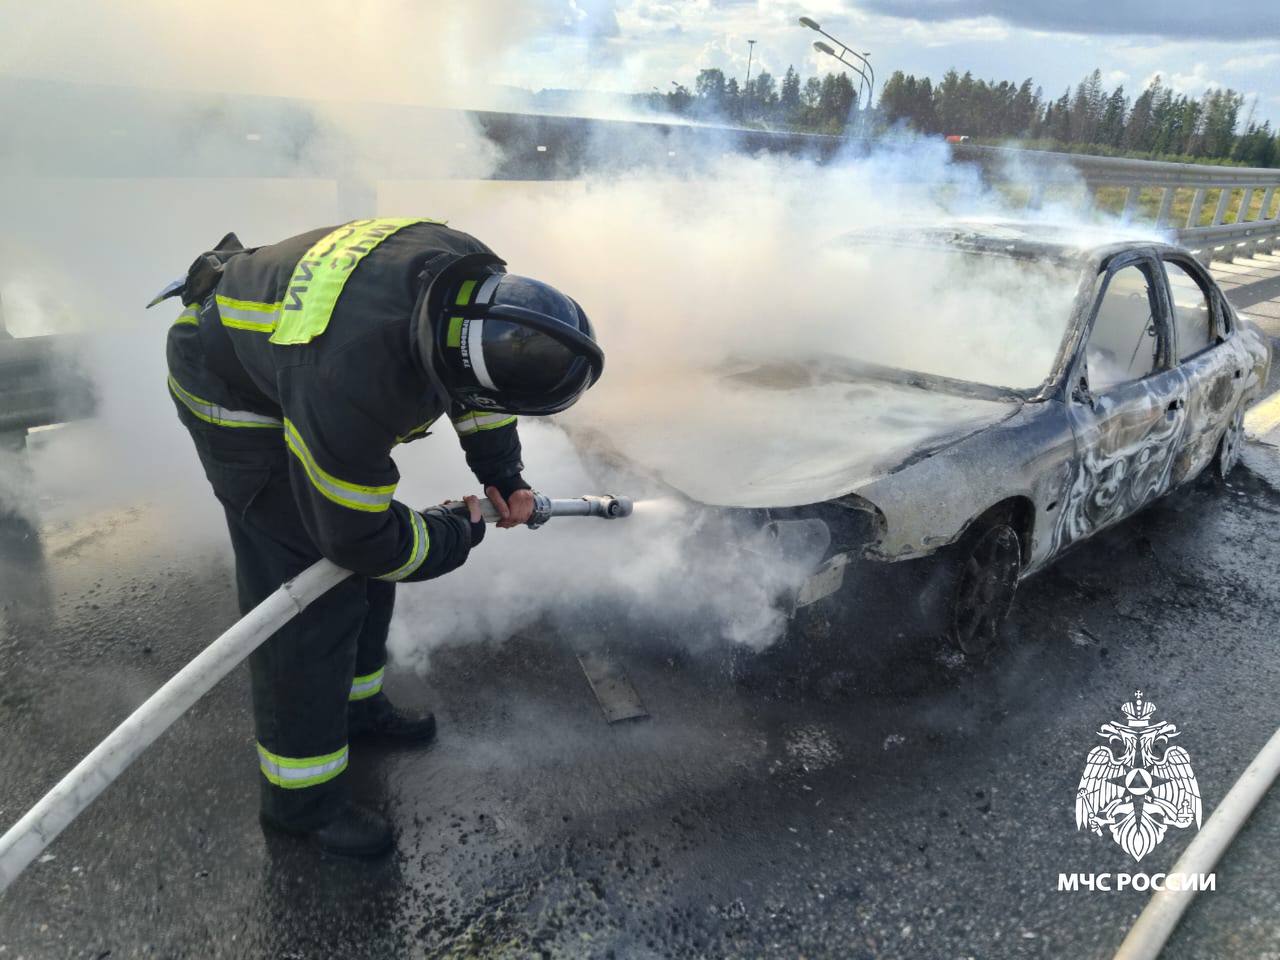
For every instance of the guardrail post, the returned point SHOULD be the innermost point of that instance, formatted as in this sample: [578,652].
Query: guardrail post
[1197,202]
[1131,196]
[1166,207]
[1221,212]
[1269,242]
[1245,203]
[1086,205]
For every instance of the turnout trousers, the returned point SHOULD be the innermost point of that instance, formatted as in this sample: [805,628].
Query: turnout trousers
[332,653]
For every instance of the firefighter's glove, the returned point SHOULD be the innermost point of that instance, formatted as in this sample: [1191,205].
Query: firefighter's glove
[468,511]
[452,534]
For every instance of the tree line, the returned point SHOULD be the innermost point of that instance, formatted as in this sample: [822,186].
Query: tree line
[1157,123]
[818,104]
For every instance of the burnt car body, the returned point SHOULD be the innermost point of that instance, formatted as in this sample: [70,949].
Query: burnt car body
[949,521]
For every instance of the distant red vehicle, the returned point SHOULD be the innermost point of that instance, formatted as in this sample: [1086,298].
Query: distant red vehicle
[957,138]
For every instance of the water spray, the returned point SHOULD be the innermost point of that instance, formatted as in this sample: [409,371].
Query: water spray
[55,811]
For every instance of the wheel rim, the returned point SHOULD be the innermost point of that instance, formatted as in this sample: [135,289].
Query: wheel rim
[1229,454]
[984,593]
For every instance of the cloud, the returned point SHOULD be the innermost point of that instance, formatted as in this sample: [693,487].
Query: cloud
[1252,61]
[595,19]
[1192,82]
[1115,78]
[1226,20]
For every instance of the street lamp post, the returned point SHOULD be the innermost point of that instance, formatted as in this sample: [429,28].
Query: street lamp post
[751,49]
[824,48]
[862,81]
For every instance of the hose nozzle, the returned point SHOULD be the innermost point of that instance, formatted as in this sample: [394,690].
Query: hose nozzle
[606,507]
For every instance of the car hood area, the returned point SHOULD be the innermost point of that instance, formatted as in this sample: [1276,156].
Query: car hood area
[781,435]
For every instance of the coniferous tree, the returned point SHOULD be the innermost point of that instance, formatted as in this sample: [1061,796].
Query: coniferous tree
[1158,122]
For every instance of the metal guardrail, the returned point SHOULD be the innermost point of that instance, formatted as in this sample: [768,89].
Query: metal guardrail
[38,387]
[533,147]
[1229,232]
[80,130]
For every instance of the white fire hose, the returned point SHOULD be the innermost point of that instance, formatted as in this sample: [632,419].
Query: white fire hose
[27,838]
[1155,924]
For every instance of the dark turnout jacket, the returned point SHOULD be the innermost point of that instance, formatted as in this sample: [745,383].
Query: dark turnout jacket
[342,401]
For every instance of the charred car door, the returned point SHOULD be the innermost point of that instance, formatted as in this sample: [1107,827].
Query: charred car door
[1126,401]
[1213,366]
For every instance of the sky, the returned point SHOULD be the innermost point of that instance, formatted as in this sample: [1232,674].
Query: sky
[629,44]
[414,50]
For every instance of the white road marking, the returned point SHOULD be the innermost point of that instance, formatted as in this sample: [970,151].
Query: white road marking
[1263,418]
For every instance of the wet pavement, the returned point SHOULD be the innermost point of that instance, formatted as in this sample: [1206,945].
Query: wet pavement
[924,810]
[841,808]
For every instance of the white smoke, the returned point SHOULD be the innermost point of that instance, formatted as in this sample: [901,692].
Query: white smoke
[739,260]
[731,259]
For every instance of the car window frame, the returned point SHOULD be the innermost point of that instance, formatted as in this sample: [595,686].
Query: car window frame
[1161,314]
[1220,325]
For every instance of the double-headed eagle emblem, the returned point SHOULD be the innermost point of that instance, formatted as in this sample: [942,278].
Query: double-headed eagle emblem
[1138,786]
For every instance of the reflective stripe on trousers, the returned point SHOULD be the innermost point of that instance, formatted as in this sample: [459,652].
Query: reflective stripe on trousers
[362,688]
[217,415]
[294,773]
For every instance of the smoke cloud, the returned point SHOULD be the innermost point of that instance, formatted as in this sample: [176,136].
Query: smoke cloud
[710,285]
[714,293]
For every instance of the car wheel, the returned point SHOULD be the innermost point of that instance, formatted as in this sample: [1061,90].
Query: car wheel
[986,582]
[1231,444]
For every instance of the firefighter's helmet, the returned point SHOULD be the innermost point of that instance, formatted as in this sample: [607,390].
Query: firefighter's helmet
[495,341]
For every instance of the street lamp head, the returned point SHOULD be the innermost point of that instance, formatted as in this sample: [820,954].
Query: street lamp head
[823,48]
[810,23]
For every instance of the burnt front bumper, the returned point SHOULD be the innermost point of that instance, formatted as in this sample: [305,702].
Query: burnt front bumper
[849,591]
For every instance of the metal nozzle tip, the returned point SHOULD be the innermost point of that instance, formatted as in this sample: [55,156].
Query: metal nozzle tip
[620,507]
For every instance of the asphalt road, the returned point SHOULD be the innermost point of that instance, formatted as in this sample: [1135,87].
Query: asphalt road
[923,810]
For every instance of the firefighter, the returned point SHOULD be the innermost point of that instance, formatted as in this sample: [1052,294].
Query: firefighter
[297,368]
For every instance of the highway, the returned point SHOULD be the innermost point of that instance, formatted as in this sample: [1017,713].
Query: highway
[920,810]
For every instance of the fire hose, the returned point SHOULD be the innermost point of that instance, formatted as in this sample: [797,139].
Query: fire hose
[55,811]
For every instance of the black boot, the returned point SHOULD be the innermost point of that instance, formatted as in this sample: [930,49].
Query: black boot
[354,832]
[375,718]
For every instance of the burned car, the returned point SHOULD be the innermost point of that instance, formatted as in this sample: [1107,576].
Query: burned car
[954,487]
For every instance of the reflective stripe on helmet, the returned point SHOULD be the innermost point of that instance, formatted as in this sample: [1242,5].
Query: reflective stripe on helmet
[417,550]
[486,289]
[216,415]
[251,315]
[318,278]
[475,353]
[475,421]
[355,496]
[294,773]
[454,338]
[362,688]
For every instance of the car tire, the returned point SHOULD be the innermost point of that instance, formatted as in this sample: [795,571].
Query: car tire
[1230,446]
[988,563]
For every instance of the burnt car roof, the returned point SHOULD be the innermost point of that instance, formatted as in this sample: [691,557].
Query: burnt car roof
[1060,242]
